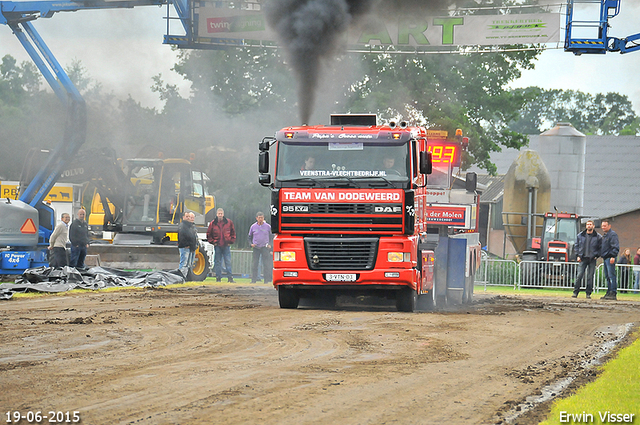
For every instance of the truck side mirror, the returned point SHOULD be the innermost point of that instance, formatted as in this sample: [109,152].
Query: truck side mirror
[471,183]
[265,144]
[263,162]
[426,163]
[264,179]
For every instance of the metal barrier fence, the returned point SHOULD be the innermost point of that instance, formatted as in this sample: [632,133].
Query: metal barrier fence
[543,274]
[494,272]
[241,261]
[628,276]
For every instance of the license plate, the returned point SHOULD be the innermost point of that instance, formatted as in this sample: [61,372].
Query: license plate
[346,277]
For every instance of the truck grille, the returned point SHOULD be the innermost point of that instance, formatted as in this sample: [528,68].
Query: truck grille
[341,253]
[337,217]
[341,209]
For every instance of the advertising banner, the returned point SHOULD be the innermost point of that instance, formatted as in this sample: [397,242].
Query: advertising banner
[225,25]
[448,215]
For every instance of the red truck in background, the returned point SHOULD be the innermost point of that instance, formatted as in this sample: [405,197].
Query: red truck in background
[352,210]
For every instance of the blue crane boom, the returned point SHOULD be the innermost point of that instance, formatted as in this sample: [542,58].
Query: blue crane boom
[591,36]
[19,16]
[26,224]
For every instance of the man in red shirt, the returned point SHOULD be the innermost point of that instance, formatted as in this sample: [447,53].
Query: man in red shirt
[222,234]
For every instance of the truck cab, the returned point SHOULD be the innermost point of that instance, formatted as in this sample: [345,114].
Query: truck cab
[349,209]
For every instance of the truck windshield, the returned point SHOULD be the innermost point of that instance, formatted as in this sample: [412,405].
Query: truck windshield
[343,161]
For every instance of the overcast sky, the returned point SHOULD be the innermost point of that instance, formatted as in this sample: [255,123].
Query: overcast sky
[123,49]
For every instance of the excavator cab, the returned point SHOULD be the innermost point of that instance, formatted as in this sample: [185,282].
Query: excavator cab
[161,191]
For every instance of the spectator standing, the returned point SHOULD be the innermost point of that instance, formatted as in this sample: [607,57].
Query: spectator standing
[187,240]
[260,239]
[588,246]
[79,237]
[222,234]
[58,242]
[609,253]
[636,262]
[625,261]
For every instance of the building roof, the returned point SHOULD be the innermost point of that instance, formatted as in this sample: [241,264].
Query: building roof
[495,188]
[612,173]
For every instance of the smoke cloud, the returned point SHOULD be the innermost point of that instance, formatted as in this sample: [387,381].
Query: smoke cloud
[311,31]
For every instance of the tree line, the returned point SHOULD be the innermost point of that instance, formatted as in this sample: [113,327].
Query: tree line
[239,96]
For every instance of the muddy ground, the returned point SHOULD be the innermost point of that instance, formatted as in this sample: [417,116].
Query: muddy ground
[228,354]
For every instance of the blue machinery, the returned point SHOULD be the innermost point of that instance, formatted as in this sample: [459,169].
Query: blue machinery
[26,224]
[592,35]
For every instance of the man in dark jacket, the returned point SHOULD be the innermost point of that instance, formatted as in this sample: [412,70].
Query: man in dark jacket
[222,234]
[609,253]
[79,238]
[187,240]
[588,248]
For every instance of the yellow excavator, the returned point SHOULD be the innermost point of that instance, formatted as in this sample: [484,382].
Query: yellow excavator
[136,205]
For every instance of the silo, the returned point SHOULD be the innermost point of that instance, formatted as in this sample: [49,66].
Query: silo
[526,191]
[563,149]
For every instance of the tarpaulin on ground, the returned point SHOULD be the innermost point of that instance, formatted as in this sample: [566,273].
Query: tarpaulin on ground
[49,279]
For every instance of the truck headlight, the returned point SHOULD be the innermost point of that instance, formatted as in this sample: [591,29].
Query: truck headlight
[398,257]
[284,256]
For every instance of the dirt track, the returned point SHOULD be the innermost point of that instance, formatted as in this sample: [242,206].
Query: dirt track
[228,354]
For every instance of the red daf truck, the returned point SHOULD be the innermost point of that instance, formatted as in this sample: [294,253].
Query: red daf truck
[351,210]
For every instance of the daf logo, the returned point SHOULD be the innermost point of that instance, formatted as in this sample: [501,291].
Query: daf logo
[410,210]
[393,210]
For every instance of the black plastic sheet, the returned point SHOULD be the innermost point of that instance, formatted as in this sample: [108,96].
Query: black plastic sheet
[49,279]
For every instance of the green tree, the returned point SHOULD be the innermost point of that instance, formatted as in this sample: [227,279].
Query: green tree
[237,81]
[466,91]
[601,114]
[17,82]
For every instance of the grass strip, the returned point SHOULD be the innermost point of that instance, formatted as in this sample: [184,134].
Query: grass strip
[612,398]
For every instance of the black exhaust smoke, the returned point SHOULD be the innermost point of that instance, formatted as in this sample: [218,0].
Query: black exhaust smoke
[310,31]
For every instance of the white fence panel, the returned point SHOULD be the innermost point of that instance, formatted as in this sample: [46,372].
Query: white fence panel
[241,262]
[495,272]
[544,274]
[627,278]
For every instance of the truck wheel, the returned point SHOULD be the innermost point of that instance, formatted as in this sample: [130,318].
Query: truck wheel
[200,268]
[406,299]
[288,297]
